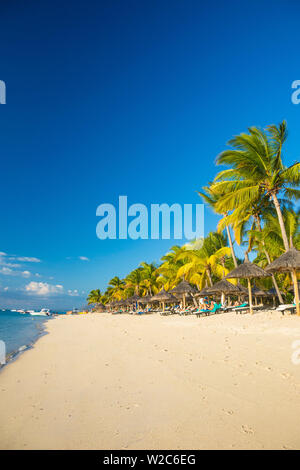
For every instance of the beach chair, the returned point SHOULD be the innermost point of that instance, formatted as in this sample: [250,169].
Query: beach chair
[240,310]
[188,310]
[244,306]
[286,308]
[216,308]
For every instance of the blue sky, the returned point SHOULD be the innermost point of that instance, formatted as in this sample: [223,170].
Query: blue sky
[124,98]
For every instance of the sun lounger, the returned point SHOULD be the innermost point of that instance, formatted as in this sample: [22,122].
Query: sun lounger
[244,305]
[247,309]
[286,308]
[169,311]
[216,308]
[189,311]
[241,309]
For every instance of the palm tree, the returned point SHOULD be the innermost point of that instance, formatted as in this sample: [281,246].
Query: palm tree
[251,214]
[167,271]
[212,197]
[149,275]
[94,296]
[257,169]
[134,279]
[201,265]
[116,287]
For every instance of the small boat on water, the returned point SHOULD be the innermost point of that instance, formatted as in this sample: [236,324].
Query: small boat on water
[44,312]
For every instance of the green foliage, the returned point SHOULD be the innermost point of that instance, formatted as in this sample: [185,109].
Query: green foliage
[255,199]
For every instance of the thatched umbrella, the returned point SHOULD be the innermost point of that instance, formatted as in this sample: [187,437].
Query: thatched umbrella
[164,297]
[100,306]
[110,304]
[288,262]
[257,292]
[224,287]
[273,293]
[184,288]
[248,271]
[145,299]
[243,290]
[133,299]
[204,291]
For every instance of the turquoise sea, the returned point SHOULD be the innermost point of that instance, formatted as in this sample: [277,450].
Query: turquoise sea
[20,331]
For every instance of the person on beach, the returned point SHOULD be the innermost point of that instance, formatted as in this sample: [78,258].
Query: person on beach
[211,305]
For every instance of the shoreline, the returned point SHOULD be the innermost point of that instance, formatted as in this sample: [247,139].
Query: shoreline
[100,381]
[17,353]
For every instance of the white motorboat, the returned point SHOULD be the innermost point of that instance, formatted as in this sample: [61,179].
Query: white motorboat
[44,312]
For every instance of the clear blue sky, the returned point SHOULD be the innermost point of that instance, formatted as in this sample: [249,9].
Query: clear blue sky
[124,98]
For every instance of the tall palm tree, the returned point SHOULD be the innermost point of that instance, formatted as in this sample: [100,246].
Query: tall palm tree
[134,279]
[212,197]
[149,275]
[250,216]
[167,271]
[116,287]
[201,265]
[94,296]
[257,169]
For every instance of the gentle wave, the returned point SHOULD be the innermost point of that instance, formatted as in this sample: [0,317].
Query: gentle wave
[20,331]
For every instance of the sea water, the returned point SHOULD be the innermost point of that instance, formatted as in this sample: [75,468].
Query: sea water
[19,331]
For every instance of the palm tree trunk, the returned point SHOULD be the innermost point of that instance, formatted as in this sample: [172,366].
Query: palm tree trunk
[281,222]
[295,281]
[269,261]
[250,296]
[209,276]
[231,247]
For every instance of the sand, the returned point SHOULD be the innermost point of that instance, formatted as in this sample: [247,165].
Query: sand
[152,382]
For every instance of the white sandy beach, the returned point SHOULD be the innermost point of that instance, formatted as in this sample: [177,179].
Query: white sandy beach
[151,382]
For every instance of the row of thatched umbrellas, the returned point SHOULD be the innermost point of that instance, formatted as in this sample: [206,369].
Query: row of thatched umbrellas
[288,262]
[183,289]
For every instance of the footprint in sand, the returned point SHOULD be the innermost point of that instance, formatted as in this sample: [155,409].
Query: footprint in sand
[228,412]
[247,430]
